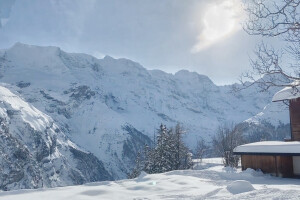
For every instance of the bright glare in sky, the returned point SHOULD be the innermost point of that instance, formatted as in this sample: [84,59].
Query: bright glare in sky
[220,20]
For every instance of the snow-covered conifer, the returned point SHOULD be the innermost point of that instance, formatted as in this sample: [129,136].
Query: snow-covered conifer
[169,152]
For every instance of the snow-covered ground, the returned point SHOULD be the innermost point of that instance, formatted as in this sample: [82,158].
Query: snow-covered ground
[209,180]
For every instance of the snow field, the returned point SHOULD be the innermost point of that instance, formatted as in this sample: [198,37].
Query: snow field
[213,181]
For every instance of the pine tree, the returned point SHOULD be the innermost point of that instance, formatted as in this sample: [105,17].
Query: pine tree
[138,167]
[169,153]
[183,155]
[150,160]
[162,150]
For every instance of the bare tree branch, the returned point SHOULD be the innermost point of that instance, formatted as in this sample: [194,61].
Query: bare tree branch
[281,19]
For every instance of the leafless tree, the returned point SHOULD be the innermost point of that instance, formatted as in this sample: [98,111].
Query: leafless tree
[201,148]
[224,142]
[278,19]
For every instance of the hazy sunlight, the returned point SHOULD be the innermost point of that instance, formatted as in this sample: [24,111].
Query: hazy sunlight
[219,21]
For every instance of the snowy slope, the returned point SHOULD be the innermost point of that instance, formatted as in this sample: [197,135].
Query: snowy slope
[210,181]
[275,112]
[35,153]
[111,107]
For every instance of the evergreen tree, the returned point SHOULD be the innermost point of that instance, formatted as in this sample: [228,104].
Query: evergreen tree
[138,167]
[183,155]
[150,163]
[163,149]
[169,153]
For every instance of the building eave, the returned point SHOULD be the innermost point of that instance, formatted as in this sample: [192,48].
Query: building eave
[266,154]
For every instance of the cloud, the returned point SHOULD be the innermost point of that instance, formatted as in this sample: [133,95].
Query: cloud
[220,20]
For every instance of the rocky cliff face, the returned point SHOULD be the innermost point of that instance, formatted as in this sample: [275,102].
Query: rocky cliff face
[111,107]
[35,152]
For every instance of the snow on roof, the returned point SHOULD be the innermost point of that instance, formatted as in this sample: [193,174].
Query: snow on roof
[269,147]
[287,93]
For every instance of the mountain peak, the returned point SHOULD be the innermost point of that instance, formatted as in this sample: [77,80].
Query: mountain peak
[40,54]
[22,46]
[107,57]
[185,75]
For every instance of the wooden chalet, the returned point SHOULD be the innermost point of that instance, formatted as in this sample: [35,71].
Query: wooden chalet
[275,157]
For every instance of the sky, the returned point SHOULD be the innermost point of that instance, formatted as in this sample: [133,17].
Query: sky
[205,36]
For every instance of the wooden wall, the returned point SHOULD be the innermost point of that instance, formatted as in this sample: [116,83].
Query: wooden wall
[276,165]
[295,118]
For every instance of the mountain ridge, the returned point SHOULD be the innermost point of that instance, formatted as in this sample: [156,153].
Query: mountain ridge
[92,100]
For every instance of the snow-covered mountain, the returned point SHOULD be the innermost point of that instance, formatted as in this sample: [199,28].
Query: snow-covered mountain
[35,153]
[112,107]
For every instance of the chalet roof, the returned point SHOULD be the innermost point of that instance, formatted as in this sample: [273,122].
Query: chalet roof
[287,93]
[269,148]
